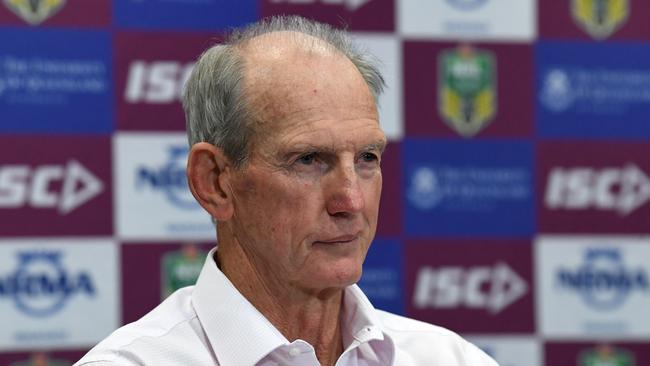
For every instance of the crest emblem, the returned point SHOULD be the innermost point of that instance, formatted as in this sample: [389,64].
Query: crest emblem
[34,11]
[606,355]
[600,18]
[467,89]
[181,268]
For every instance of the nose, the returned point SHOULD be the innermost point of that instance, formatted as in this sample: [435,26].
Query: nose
[345,196]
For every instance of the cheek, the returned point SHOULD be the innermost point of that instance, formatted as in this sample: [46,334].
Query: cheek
[373,192]
[277,204]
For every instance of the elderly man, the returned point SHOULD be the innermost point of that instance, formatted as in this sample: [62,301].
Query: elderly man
[286,151]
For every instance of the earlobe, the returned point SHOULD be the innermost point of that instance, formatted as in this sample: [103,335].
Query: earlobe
[208,171]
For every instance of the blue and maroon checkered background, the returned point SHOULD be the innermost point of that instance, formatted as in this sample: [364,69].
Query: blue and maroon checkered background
[516,202]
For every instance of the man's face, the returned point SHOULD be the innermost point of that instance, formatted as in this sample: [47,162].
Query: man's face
[306,203]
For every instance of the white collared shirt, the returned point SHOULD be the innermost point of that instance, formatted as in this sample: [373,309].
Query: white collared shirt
[211,323]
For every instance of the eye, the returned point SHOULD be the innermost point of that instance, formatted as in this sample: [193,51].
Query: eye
[368,157]
[307,159]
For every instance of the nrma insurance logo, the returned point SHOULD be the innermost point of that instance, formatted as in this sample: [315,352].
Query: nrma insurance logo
[41,285]
[603,281]
[169,178]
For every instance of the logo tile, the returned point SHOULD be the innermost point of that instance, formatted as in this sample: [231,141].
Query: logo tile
[488,292]
[617,353]
[468,188]
[468,90]
[184,14]
[593,187]
[356,15]
[151,271]
[57,13]
[64,192]
[48,88]
[153,198]
[150,78]
[498,20]
[593,286]
[46,285]
[584,92]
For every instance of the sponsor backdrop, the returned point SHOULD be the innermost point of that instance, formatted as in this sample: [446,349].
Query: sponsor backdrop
[516,202]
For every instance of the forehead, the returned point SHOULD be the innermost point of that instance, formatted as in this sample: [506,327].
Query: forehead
[291,79]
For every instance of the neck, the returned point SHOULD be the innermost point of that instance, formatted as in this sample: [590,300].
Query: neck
[310,315]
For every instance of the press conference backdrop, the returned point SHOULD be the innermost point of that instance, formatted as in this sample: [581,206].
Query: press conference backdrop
[516,202]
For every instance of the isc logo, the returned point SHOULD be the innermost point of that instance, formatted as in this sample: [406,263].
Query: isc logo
[349,4]
[156,82]
[48,186]
[618,189]
[492,288]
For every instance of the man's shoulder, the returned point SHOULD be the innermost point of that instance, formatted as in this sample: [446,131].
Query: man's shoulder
[420,343]
[168,327]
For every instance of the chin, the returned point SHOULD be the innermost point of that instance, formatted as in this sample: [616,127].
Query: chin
[340,276]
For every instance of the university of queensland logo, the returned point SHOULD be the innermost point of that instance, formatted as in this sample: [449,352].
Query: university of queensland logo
[41,285]
[34,12]
[467,89]
[600,18]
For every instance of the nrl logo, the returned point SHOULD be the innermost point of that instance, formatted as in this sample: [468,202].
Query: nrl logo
[34,11]
[467,89]
[600,18]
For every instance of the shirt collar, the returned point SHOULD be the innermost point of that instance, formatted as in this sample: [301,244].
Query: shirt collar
[361,325]
[230,321]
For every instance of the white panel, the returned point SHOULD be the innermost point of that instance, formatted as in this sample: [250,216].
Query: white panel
[502,20]
[511,350]
[388,50]
[153,200]
[57,293]
[593,286]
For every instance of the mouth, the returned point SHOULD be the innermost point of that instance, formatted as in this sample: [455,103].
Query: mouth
[338,240]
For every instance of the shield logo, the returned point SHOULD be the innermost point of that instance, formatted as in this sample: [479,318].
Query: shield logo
[600,18]
[467,89]
[606,354]
[34,11]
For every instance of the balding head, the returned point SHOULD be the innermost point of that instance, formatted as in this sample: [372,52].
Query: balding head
[216,101]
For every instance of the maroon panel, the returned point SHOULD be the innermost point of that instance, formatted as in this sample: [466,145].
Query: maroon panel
[593,187]
[390,210]
[150,69]
[49,185]
[556,21]
[77,13]
[41,357]
[366,15]
[577,353]
[514,90]
[479,286]
[142,276]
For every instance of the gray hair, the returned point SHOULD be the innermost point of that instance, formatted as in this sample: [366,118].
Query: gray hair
[215,106]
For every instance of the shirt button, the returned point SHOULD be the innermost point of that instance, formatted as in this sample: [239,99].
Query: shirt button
[294,352]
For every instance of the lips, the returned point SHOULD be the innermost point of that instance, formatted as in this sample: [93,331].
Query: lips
[338,239]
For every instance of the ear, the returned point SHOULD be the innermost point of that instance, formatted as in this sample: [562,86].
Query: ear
[208,175]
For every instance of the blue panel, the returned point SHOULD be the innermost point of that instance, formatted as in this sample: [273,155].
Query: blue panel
[382,276]
[468,187]
[599,90]
[55,81]
[184,14]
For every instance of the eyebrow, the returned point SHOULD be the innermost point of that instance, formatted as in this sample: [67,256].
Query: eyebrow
[378,145]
